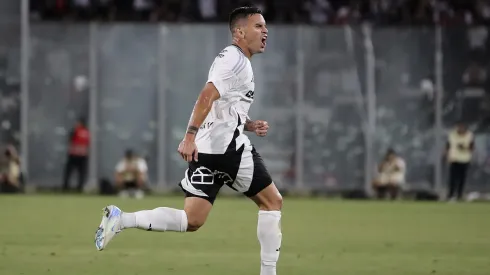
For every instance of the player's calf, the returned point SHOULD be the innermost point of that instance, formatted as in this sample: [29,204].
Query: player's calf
[269,232]
[190,219]
[197,210]
[158,219]
[270,238]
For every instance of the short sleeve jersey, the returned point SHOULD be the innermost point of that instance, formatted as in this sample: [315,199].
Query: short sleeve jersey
[222,130]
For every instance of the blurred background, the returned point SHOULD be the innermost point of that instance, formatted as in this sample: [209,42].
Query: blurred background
[100,92]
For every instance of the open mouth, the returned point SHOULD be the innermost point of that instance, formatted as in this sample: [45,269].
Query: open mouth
[264,41]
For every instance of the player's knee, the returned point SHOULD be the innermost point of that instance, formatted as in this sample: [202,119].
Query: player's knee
[193,224]
[277,203]
[272,204]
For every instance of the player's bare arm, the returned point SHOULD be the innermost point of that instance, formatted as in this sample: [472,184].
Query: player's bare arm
[204,103]
[259,127]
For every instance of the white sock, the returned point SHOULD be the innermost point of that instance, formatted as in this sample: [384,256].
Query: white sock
[270,236]
[158,219]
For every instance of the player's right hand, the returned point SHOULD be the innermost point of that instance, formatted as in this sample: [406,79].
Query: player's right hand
[261,128]
[188,150]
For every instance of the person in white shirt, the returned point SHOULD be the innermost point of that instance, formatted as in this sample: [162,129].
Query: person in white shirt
[10,174]
[217,150]
[131,175]
[391,176]
[459,152]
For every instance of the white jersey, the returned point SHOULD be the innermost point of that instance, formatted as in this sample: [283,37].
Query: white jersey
[222,130]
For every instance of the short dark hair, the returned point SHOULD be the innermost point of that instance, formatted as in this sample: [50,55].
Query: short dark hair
[129,153]
[241,13]
[82,120]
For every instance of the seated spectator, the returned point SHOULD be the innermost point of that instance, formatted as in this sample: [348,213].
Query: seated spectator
[131,175]
[391,176]
[10,176]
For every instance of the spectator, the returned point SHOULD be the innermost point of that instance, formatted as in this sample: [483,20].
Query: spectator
[391,176]
[10,175]
[318,11]
[208,10]
[482,10]
[82,9]
[143,9]
[474,75]
[169,10]
[123,10]
[105,9]
[77,155]
[131,175]
[459,152]
[276,11]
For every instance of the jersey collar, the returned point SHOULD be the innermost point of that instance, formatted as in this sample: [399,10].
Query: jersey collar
[240,49]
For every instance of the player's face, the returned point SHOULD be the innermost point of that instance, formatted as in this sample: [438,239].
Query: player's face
[391,156]
[256,34]
[461,128]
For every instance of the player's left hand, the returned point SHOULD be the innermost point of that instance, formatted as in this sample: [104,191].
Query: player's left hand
[188,150]
[261,128]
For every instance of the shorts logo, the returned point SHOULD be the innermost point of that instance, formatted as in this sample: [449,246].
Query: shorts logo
[223,176]
[203,175]
[250,94]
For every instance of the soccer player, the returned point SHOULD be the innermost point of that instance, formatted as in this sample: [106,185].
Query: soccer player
[218,151]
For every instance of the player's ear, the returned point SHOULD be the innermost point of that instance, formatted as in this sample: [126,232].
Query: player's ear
[241,32]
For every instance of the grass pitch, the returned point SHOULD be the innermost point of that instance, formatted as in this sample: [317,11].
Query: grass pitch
[54,235]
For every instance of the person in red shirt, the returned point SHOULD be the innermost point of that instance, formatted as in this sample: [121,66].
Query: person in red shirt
[78,149]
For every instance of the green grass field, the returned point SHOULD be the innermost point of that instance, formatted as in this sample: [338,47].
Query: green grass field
[54,235]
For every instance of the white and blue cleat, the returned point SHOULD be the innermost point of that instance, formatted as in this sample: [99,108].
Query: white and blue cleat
[109,226]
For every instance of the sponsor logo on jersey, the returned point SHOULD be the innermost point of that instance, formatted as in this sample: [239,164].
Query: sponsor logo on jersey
[206,125]
[250,94]
[222,53]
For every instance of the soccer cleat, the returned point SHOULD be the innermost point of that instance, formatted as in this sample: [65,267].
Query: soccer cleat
[109,226]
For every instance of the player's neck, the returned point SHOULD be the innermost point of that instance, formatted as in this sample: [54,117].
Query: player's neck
[243,49]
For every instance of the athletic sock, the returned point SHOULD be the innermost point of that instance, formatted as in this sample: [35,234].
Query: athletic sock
[158,219]
[270,236]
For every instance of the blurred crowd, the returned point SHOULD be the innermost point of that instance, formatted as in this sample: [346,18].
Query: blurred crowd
[465,79]
[276,11]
